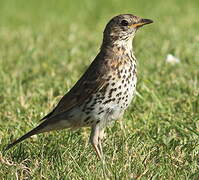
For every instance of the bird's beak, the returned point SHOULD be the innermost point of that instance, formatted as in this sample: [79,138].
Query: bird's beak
[141,22]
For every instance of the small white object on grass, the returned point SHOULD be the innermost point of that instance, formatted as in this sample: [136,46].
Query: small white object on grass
[172,59]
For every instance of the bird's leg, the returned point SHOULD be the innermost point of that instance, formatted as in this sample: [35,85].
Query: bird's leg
[94,139]
[101,135]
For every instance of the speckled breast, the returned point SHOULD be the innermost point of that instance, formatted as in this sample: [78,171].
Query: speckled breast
[114,97]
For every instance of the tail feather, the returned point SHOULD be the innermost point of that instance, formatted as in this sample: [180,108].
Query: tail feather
[36,130]
[52,123]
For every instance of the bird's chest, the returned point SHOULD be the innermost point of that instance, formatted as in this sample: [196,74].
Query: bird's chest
[121,87]
[115,96]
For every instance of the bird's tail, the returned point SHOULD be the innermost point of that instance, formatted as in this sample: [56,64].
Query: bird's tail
[37,130]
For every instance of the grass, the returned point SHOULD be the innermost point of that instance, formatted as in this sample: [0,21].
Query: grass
[46,46]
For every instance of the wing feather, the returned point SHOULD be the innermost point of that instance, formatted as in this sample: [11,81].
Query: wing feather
[91,81]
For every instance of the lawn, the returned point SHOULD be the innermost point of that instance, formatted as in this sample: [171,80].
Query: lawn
[45,46]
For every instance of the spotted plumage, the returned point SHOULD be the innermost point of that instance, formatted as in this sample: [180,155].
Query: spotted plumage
[104,91]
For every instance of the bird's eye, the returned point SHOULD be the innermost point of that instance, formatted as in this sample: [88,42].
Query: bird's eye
[124,23]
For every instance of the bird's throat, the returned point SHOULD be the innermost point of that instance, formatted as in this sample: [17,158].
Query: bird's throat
[125,46]
[118,47]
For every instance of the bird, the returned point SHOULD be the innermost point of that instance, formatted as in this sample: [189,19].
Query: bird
[104,91]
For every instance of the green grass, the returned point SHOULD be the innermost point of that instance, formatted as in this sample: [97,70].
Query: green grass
[44,48]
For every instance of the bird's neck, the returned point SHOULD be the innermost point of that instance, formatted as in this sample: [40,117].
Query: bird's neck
[118,47]
[125,45]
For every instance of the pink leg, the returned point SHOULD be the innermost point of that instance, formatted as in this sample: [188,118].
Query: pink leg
[96,141]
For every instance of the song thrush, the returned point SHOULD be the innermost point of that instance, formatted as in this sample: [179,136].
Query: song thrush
[104,91]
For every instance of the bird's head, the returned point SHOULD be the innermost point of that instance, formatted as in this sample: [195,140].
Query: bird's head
[123,27]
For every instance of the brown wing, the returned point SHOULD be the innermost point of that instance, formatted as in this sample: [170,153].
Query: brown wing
[90,82]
